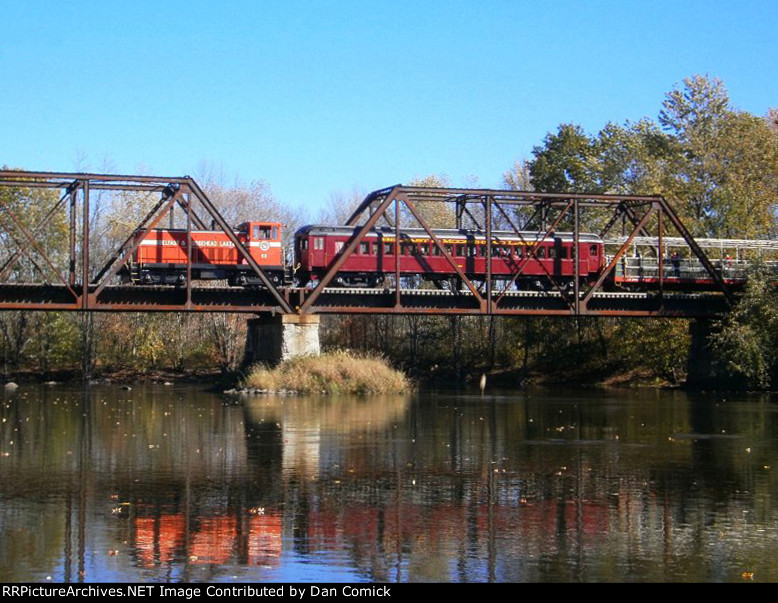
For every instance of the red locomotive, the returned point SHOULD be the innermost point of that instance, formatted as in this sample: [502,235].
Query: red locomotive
[161,257]
[374,258]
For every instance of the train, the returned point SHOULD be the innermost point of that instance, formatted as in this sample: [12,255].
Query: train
[161,256]
[542,261]
[374,258]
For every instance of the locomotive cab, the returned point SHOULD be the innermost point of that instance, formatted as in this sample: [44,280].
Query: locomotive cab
[263,240]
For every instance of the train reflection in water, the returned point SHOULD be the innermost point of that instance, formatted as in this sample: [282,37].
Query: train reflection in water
[176,484]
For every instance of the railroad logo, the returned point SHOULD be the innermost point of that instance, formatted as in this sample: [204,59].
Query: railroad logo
[264,245]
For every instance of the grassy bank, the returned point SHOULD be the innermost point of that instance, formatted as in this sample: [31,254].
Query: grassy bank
[334,372]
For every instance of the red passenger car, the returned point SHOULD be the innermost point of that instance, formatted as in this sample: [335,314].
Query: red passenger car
[162,255]
[374,258]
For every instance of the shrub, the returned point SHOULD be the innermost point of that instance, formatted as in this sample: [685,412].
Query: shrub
[334,372]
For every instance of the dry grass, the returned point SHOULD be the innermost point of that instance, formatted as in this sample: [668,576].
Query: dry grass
[332,373]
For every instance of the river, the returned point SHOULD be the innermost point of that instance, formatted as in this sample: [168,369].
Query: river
[178,484]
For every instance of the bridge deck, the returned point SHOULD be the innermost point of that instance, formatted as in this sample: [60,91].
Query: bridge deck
[127,298]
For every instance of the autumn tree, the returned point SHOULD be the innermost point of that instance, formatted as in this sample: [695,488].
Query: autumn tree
[723,164]
[31,252]
[340,206]
[435,214]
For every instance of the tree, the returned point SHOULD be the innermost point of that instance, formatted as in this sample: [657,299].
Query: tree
[241,201]
[722,170]
[436,215]
[21,211]
[772,119]
[746,347]
[716,165]
[340,206]
[567,162]
[518,178]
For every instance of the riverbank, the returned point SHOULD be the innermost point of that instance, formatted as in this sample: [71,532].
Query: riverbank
[289,380]
[123,376]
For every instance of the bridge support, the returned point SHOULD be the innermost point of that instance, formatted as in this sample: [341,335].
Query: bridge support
[273,339]
[701,372]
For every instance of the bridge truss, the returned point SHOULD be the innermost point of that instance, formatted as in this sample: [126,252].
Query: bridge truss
[39,271]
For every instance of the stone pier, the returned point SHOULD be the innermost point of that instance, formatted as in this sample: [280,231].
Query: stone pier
[273,339]
[701,374]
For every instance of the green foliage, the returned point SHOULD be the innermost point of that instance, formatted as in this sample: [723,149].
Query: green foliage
[746,347]
[722,171]
[566,162]
[718,166]
[657,345]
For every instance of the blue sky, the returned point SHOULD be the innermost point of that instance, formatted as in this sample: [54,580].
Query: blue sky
[321,97]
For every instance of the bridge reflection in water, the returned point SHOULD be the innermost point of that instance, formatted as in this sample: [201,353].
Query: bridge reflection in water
[175,484]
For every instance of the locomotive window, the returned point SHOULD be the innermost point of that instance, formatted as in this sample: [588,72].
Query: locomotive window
[304,244]
[460,250]
[563,253]
[425,249]
[552,252]
[318,243]
[275,232]
[540,252]
[388,248]
[436,250]
[263,232]
[364,248]
[449,248]
[519,252]
[593,250]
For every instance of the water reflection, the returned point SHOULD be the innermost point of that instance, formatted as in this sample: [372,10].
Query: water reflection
[177,484]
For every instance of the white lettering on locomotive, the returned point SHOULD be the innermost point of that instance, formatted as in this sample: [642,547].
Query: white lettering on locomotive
[182,243]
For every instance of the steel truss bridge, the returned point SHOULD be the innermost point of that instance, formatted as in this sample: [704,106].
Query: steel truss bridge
[38,274]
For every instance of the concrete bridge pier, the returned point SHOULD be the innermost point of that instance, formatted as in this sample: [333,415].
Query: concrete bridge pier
[701,372]
[273,339]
